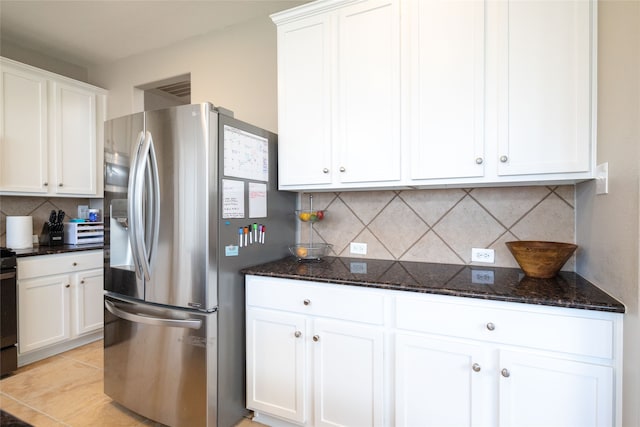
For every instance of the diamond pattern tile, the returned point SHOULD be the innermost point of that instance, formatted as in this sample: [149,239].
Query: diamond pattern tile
[398,227]
[432,205]
[438,226]
[509,204]
[441,226]
[468,225]
[36,207]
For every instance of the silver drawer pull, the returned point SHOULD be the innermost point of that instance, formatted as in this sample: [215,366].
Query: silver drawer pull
[476,367]
[505,373]
[316,338]
[298,334]
[491,326]
[306,302]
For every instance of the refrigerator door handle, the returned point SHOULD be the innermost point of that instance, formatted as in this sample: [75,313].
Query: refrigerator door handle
[151,320]
[134,207]
[146,169]
[151,245]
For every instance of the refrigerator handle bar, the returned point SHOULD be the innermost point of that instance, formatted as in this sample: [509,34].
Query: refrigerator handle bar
[154,181]
[133,205]
[150,320]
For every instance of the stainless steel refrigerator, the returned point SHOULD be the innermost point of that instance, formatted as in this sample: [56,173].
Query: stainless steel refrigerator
[190,198]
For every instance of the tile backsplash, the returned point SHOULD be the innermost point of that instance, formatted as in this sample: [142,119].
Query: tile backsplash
[439,226]
[442,226]
[38,208]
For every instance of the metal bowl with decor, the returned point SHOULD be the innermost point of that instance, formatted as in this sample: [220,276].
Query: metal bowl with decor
[541,260]
[310,251]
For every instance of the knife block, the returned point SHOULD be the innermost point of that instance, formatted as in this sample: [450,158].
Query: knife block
[52,237]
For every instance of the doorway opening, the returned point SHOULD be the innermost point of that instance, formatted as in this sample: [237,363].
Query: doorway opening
[169,92]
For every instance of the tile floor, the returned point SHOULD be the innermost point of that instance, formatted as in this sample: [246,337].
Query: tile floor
[67,390]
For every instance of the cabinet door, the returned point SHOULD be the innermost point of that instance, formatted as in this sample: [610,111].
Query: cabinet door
[544,87]
[88,301]
[23,131]
[442,382]
[367,110]
[544,391]
[348,374]
[304,115]
[43,311]
[74,133]
[276,363]
[446,89]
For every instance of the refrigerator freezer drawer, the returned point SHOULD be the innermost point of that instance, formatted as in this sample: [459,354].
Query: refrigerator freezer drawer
[159,362]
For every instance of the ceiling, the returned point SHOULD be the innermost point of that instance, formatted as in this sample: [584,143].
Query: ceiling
[95,32]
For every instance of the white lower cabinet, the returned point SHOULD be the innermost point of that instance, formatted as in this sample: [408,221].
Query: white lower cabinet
[441,382]
[566,392]
[43,312]
[320,354]
[310,366]
[467,362]
[59,300]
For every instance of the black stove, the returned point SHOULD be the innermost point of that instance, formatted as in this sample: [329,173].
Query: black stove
[8,312]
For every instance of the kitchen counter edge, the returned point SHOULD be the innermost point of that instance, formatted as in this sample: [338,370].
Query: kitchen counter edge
[54,250]
[567,289]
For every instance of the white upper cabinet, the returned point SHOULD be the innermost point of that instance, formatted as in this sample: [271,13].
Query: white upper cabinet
[544,85]
[75,140]
[51,131]
[304,122]
[24,135]
[339,95]
[419,93]
[445,90]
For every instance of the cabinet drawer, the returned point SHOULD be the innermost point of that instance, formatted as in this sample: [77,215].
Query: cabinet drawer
[575,333]
[317,299]
[46,265]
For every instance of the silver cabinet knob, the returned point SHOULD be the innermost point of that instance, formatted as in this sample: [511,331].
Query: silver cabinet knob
[491,326]
[60,185]
[325,170]
[82,282]
[479,160]
[342,169]
[297,334]
[316,338]
[306,302]
[45,184]
[75,264]
[476,367]
[504,159]
[67,285]
[505,373]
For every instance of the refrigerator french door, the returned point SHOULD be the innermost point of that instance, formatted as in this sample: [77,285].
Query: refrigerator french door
[180,184]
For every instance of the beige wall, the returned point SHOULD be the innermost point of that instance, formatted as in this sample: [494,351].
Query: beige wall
[18,53]
[235,69]
[607,226]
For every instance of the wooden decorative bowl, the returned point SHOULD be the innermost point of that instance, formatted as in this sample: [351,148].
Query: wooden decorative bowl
[541,260]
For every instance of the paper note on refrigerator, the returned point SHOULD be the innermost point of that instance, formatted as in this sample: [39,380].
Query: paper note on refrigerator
[257,200]
[245,155]
[232,198]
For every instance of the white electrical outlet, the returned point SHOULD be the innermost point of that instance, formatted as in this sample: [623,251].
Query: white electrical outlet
[482,255]
[358,248]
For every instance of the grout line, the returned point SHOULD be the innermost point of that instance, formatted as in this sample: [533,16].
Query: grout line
[22,403]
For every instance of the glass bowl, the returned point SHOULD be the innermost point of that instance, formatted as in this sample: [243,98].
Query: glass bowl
[310,252]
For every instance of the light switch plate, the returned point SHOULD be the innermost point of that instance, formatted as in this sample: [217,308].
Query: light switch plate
[602,178]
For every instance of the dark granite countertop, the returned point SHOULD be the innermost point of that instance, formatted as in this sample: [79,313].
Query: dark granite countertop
[52,250]
[500,284]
